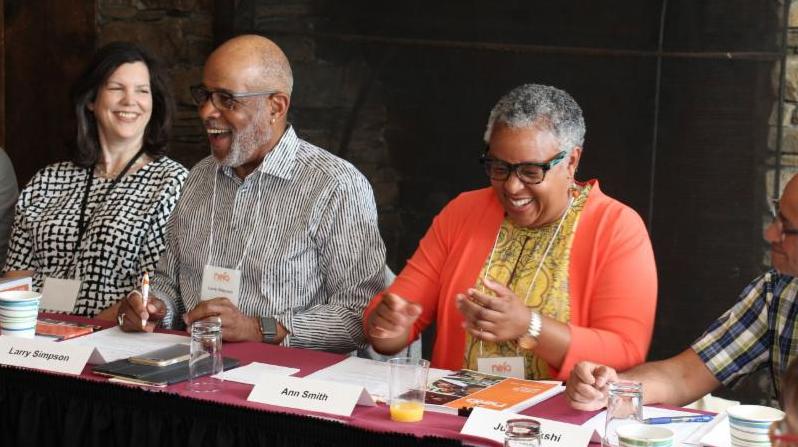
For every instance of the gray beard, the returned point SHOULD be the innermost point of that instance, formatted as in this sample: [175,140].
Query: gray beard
[247,142]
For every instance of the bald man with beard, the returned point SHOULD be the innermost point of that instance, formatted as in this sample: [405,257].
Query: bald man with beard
[276,237]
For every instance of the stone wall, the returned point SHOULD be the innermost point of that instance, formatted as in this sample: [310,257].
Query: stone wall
[789,148]
[337,119]
[180,32]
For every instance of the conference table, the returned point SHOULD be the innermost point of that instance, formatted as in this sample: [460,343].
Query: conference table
[40,408]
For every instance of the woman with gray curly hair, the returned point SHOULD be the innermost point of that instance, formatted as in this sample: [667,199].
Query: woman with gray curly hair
[534,273]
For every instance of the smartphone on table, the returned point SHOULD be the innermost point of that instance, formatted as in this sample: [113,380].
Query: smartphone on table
[162,357]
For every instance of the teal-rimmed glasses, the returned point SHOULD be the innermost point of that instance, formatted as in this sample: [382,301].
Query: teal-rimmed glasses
[529,173]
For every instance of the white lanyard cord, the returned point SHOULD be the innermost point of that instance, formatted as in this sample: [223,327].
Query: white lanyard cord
[548,248]
[252,230]
[540,264]
[213,213]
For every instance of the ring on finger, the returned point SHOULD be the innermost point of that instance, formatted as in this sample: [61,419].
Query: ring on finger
[120,319]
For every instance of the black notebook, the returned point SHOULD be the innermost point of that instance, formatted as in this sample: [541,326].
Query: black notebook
[155,375]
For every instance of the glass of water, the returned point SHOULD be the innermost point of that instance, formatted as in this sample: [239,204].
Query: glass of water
[624,406]
[205,355]
[522,433]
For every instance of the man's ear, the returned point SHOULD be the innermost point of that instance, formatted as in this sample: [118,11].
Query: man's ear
[280,103]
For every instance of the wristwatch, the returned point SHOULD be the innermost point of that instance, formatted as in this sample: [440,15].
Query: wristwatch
[268,329]
[529,341]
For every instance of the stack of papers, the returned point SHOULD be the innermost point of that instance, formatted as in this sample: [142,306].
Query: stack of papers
[254,373]
[712,434]
[114,344]
[371,374]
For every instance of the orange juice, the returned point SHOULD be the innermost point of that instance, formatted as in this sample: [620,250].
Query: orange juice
[407,411]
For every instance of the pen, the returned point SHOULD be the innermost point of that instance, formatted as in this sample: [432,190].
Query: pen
[145,292]
[675,419]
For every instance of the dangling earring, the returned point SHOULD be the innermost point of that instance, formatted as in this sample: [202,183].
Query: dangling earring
[573,189]
[272,121]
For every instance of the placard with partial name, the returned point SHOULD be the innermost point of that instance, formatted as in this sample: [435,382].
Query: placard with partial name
[310,395]
[490,424]
[44,355]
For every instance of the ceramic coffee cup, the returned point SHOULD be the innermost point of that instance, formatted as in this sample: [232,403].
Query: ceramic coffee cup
[642,435]
[18,312]
[750,424]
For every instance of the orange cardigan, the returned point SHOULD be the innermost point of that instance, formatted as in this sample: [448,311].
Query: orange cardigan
[612,279]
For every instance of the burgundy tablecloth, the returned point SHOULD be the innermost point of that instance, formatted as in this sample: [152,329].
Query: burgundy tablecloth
[369,418]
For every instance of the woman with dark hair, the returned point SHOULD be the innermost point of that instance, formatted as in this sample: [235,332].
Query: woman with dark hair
[87,229]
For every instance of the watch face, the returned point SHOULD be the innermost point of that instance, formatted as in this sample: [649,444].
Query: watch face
[527,342]
[268,328]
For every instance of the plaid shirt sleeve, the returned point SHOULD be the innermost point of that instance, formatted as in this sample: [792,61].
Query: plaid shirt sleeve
[738,343]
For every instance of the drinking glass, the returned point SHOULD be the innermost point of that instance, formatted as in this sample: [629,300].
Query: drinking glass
[624,406]
[522,433]
[407,385]
[205,357]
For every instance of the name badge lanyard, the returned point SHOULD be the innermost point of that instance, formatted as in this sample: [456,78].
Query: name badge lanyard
[540,264]
[83,223]
[213,214]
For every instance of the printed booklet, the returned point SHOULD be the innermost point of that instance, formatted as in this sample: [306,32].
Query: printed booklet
[467,388]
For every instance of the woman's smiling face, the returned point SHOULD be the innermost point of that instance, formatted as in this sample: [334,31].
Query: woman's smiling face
[532,205]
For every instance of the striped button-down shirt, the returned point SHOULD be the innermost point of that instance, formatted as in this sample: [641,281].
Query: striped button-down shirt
[759,331]
[314,253]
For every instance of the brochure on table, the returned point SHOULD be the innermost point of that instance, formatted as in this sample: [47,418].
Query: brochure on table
[467,388]
[682,431]
[490,424]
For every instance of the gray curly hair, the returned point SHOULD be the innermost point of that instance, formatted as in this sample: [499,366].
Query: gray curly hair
[543,105]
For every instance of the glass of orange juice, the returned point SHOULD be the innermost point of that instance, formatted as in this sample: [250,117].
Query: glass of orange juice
[407,384]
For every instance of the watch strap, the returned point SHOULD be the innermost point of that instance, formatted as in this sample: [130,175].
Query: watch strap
[268,329]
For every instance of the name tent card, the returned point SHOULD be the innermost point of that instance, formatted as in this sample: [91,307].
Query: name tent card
[490,424]
[309,395]
[44,355]
[59,295]
[219,282]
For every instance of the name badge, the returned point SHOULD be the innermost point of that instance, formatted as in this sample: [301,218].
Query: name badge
[309,395]
[59,295]
[490,424]
[502,366]
[44,355]
[219,282]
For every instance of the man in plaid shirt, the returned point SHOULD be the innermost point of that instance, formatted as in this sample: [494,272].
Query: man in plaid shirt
[759,331]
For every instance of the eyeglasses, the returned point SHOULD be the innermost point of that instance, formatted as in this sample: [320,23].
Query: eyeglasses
[779,220]
[221,99]
[529,173]
[780,436]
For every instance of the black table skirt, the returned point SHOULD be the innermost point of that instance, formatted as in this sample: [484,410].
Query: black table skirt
[38,409]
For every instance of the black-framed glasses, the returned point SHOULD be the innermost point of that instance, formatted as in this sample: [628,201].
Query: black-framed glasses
[222,99]
[779,220]
[529,173]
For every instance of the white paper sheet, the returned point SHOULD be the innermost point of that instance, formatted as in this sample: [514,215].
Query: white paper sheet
[371,374]
[252,373]
[681,430]
[114,344]
[716,434]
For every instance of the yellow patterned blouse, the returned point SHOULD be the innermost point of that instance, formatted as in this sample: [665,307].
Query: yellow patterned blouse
[516,256]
